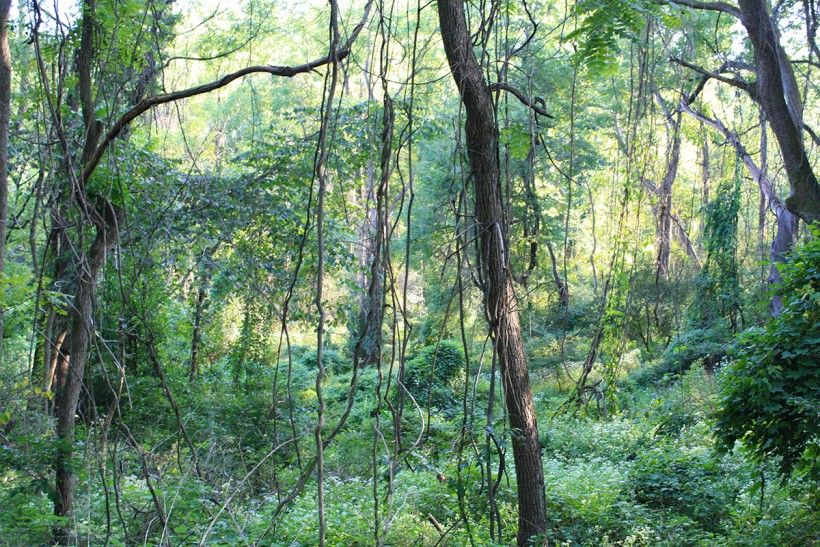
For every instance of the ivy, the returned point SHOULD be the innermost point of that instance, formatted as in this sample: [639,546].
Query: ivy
[770,394]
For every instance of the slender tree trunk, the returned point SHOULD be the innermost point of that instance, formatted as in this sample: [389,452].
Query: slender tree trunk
[561,287]
[196,336]
[482,147]
[5,112]
[664,234]
[372,291]
[663,193]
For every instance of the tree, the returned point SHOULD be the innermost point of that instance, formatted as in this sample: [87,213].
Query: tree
[5,112]
[786,222]
[77,264]
[500,301]
[775,89]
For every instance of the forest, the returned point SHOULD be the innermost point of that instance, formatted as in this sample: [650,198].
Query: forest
[409,272]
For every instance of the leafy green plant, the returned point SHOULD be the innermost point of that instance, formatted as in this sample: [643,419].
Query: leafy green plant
[431,370]
[770,393]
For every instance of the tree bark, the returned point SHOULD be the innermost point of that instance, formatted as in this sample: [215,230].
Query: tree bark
[196,336]
[664,191]
[482,148]
[71,363]
[5,112]
[778,94]
[372,285]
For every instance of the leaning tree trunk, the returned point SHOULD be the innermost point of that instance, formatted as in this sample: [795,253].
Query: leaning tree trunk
[777,92]
[482,148]
[786,221]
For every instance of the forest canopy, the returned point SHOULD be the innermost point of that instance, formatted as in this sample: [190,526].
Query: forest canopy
[401,272]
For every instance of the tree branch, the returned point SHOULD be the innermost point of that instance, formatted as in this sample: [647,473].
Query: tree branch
[150,102]
[709,6]
[707,75]
[533,104]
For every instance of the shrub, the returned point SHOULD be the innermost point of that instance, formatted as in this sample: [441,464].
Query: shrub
[687,482]
[333,361]
[770,393]
[431,370]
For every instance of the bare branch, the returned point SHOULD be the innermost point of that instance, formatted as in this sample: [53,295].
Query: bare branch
[709,6]
[812,134]
[533,104]
[707,75]
[150,102]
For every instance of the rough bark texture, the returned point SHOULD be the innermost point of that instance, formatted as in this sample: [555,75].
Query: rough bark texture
[78,268]
[196,337]
[500,299]
[776,91]
[5,109]
[71,362]
[372,281]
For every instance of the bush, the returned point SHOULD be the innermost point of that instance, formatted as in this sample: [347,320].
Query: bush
[688,482]
[770,393]
[431,371]
[708,345]
[333,361]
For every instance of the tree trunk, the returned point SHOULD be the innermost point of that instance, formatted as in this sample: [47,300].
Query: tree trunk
[784,239]
[5,111]
[71,361]
[372,298]
[664,219]
[196,336]
[500,300]
[777,93]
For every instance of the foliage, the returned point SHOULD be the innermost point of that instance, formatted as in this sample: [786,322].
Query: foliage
[770,392]
[604,25]
[430,372]
[217,252]
[718,282]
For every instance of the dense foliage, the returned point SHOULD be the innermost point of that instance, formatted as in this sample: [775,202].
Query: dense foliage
[770,390]
[268,284]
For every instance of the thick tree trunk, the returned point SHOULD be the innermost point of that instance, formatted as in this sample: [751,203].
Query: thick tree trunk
[778,95]
[784,239]
[70,364]
[500,300]
[5,112]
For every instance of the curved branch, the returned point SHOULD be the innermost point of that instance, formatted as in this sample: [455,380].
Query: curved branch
[150,102]
[709,6]
[526,101]
[707,75]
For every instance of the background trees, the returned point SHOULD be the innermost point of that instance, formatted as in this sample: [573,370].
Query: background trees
[496,212]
